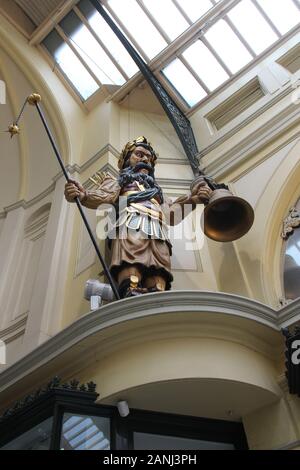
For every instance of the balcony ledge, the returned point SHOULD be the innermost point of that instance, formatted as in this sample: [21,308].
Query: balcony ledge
[151,317]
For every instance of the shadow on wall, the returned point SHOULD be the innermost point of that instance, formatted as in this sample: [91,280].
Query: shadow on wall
[230,276]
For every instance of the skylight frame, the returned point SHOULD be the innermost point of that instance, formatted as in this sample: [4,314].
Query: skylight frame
[175,48]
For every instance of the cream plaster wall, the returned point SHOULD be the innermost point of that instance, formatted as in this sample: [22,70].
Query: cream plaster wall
[275,426]
[259,160]
[10,175]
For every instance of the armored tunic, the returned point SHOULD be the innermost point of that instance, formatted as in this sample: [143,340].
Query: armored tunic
[141,229]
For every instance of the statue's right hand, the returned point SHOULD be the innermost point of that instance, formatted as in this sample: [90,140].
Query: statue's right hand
[74,189]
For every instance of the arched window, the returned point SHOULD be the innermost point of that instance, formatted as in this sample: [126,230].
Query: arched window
[291,271]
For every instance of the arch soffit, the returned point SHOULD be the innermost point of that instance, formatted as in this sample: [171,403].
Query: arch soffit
[35,77]
[283,191]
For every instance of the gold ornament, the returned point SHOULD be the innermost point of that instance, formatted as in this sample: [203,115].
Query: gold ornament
[98,177]
[34,98]
[13,129]
[134,281]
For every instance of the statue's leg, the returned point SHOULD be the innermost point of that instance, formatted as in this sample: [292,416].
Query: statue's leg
[155,283]
[129,270]
[129,280]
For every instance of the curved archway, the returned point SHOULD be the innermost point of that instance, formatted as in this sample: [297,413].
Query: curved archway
[16,51]
[283,192]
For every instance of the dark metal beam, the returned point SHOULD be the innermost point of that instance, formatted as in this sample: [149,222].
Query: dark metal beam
[179,121]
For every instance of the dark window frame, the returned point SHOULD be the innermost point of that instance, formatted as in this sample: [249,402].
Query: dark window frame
[57,402]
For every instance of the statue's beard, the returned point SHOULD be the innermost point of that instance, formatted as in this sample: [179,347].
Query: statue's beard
[143,166]
[131,174]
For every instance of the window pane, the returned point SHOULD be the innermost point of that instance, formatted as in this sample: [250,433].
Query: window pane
[284,13]
[168,16]
[37,438]
[70,65]
[251,24]
[139,26]
[195,10]
[205,65]
[91,52]
[184,82]
[228,46]
[82,432]
[108,37]
[291,274]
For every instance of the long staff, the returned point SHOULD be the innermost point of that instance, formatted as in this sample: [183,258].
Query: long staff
[34,99]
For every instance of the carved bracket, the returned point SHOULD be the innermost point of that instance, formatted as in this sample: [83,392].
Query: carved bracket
[291,222]
[54,384]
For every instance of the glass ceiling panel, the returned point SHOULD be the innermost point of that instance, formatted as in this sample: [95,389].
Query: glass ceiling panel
[184,82]
[90,50]
[108,37]
[228,46]
[139,26]
[71,65]
[195,9]
[205,65]
[283,13]
[252,25]
[167,16]
[217,55]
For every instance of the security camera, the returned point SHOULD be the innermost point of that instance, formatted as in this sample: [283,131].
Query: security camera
[96,291]
[123,408]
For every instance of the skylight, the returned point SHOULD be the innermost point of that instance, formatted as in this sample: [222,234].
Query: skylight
[108,38]
[228,46]
[139,26]
[252,25]
[168,17]
[283,13]
[71,66]
[205,65]
[228,39]
[93,54]
[194,10]
[184,82]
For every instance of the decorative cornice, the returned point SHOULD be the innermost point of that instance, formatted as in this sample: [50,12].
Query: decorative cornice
[15,330]
[289,315]
[82,168]
[291,222]
[88,391]
[26,204]
[130,315]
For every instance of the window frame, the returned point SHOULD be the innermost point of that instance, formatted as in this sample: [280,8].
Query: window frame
[59,401]
[174,50]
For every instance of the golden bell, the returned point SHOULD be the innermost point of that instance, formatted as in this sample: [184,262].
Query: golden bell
[227,217]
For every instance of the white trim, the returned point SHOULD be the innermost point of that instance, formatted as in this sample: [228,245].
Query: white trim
[15,330]
[75,339]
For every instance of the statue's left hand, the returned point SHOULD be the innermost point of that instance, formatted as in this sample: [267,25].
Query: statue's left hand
[201,193]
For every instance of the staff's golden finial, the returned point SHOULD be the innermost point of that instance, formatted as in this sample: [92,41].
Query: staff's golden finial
[13,129]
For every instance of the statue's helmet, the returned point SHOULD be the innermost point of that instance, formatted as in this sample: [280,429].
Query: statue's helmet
[130,146]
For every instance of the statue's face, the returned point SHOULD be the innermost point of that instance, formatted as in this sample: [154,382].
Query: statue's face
[140,154]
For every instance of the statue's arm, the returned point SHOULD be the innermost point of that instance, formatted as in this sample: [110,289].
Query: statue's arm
[175,211]
[107,193]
